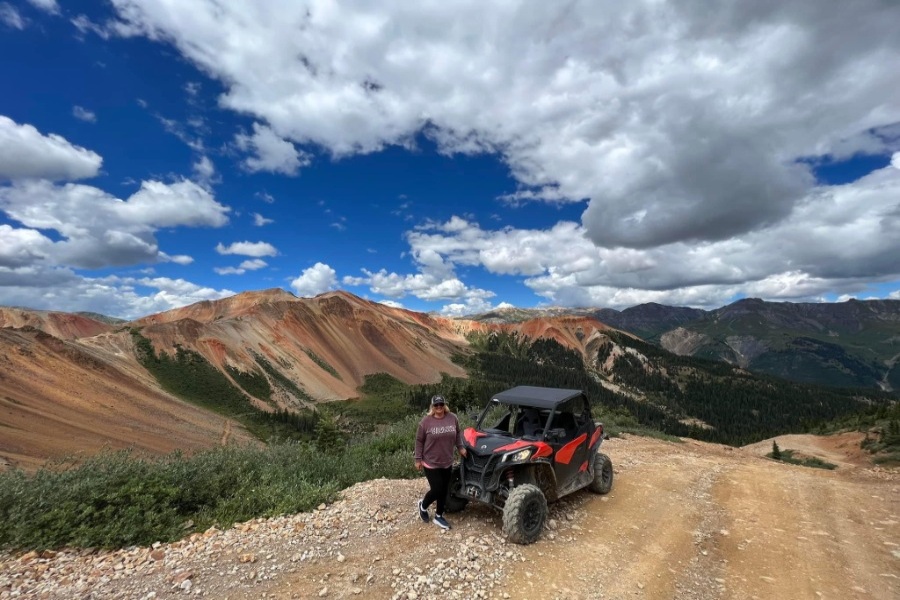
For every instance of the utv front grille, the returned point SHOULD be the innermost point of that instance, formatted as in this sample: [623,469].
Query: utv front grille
[478,463]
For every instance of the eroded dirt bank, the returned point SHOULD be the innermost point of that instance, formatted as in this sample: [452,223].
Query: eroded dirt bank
[686,520]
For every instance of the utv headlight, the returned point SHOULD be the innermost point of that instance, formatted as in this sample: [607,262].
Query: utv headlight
[518,456]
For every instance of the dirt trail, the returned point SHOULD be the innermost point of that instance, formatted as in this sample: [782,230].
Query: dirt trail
[687,521]
[692,521]
[700,521]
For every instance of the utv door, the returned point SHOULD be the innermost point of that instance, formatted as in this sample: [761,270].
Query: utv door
[570,454]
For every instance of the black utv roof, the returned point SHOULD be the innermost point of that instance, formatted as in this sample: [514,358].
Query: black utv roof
[539,397]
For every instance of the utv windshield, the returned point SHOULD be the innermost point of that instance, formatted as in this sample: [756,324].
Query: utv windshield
[512,420]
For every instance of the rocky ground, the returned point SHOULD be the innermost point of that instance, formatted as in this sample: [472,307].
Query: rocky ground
[684,520]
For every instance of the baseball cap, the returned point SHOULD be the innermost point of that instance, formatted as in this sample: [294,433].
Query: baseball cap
[435,400]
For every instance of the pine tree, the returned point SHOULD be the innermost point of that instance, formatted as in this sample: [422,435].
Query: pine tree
[776,451]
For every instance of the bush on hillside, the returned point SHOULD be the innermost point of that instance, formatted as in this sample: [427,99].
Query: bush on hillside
[120,499]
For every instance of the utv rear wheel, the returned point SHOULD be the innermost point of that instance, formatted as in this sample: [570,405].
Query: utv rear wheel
[603,474]
[455,503]
[524,514]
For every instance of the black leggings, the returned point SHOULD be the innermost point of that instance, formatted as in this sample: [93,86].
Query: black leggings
[439,481]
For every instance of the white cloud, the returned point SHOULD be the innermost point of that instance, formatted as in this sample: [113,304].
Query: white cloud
[265,197]
[125,297]
[20,247]
[27,154]
[205,170]
[10,17]
[179,259]
[317,279]
[49,6]
[83,114]
[260,220]
[272,153]
[391,303]
[190,138]
[247,265]
[895,160]
[677,122]
[837,238]
[98,230]
[256,249]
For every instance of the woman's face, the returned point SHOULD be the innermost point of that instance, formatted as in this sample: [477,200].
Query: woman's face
[439,410]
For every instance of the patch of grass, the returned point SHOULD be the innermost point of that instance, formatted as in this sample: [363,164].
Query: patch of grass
[384,400]
[192,378]
[253,383]
[614,431]
[323,364]
[891,459]
[120,499]
[280,379]
[811,461]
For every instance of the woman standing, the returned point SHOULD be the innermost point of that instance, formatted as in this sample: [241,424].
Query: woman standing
[436,437]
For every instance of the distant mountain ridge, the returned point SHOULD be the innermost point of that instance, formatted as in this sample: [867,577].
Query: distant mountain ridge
[850,344]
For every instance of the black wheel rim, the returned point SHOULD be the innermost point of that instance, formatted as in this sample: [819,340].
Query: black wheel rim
[531,517]
[606,474]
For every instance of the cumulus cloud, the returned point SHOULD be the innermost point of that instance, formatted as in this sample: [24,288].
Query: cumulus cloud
[25,153]
[205,170]
[247,265]
[317,279]
[837,238]
[260,220]
[83,114]
[256,249]
[49,288]
[98,230]
[272,153]
[20,247]
[678,122]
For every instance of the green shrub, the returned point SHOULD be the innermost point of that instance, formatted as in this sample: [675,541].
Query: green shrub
[323,364]
[120,499]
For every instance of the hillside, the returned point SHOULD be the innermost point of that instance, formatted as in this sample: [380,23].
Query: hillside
[59,398]
[846,344]
[72,384]
[684,520]
[258,359]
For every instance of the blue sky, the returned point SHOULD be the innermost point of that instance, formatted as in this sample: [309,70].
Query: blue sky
[448,157]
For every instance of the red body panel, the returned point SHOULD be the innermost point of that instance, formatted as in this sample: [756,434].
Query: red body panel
[598,433]
[470,435]
[564,456]
[542,450]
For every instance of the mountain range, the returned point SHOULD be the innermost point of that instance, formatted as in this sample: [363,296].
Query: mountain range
[73,383]
[847,344]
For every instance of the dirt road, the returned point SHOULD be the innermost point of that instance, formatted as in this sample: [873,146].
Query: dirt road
[684,520]
[699,521]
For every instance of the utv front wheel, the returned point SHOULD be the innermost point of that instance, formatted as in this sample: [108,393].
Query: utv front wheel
[524,514]
[454,502]
[603,474]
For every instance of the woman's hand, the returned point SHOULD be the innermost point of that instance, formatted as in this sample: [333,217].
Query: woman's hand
[463,452]
[418,465]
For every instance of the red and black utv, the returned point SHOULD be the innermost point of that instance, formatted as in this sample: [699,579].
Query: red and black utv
[530,446]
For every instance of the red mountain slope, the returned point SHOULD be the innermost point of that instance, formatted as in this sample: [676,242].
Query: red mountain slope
[80,393]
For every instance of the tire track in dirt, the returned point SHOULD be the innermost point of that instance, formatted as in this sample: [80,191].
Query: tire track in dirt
[696,521]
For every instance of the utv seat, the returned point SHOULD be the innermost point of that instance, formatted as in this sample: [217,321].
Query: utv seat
[566,421]
[529,423]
